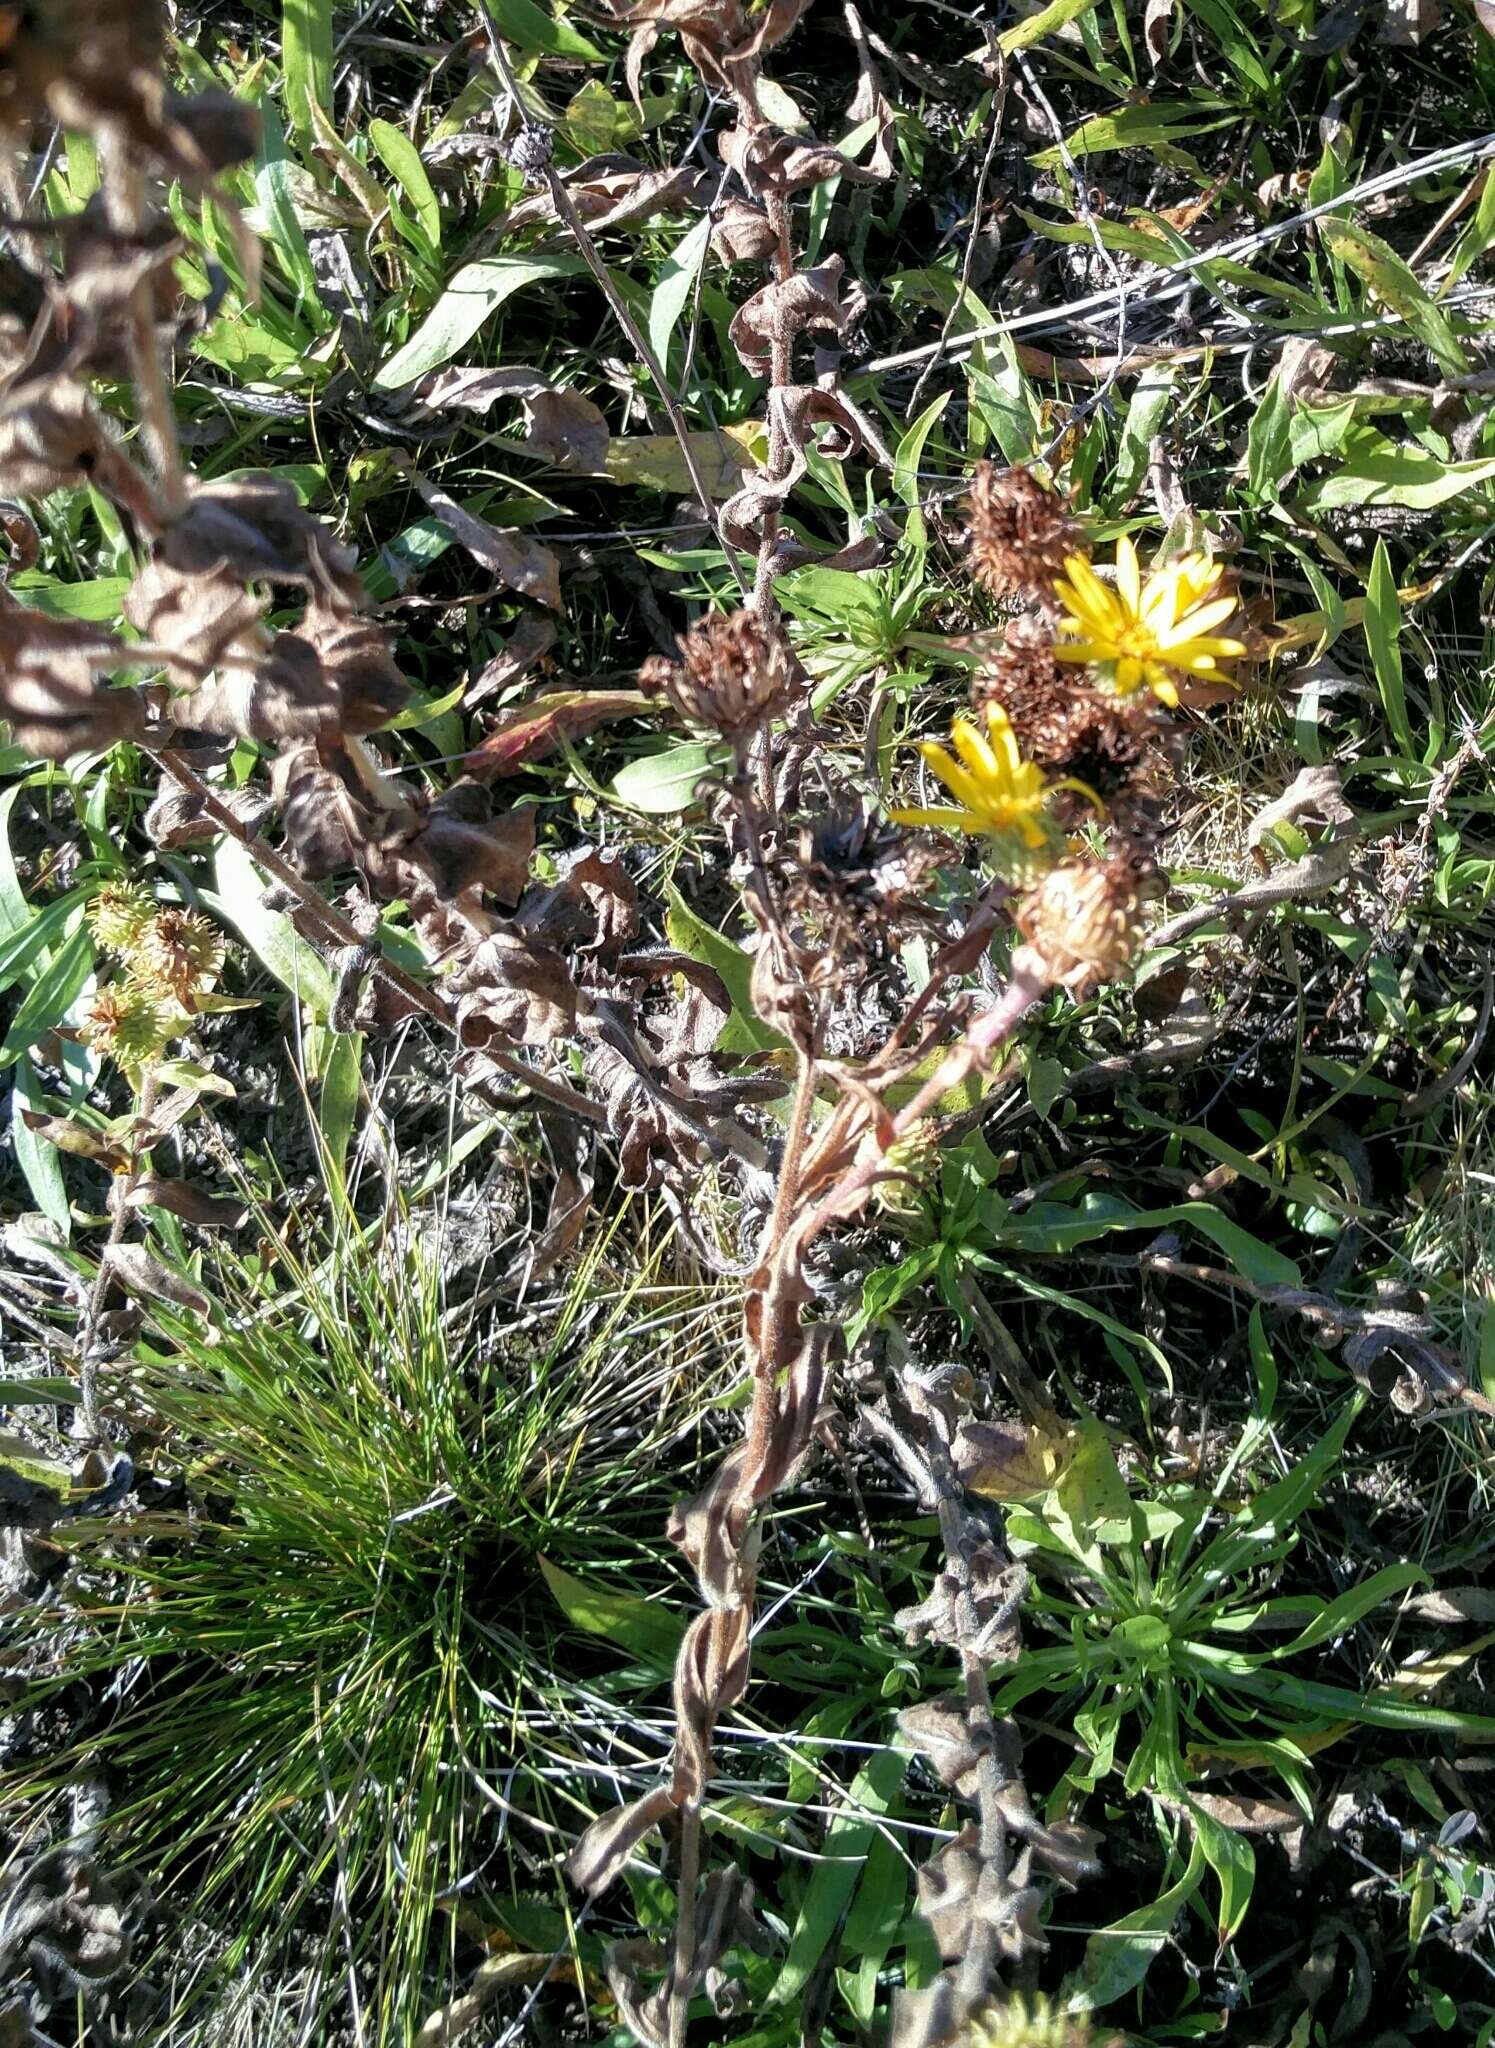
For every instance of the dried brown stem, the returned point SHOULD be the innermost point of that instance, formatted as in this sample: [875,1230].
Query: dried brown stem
[88,1363]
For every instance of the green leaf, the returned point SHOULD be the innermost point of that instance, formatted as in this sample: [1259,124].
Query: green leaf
[99,600]
[1233,1860]
[1144,417]
[36,936]
[1272,1513]
[745,1031]
[1383,626]
[273,939]
[1397,287]
[1058,14]
[677,279]
[49,997]
[337,1105]
[1120,1956]
[666,782]
[1054,1227]
[877,1912]
[1378,472]
[1341,1614]
[1141,127]
[476,292]
[529,27]
[306,58]
[40,1163]
[645,1628]
[272,182]
[1268,440]
[400,156]
[848,1840]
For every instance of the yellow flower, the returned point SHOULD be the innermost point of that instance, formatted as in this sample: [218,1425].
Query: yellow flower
[996,790]
[1140,636]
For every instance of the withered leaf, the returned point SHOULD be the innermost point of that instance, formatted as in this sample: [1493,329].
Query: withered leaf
[520,563]
[147,1278]
[185,1199]
[608,1843]
[785,308]
[532,638]
[770,162]
[514,991]
[466,847]
[743,233]
[567,430]
[528,732]
[257,528]
[176,817]
[55,708]
[73,1138]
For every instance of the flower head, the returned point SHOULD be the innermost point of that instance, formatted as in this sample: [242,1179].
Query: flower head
[118,915]
[734,675]
[1144,635]
[1020,534]
[997,792]
[1033,2021]
[179,956]
[1083,922]
[130,1024]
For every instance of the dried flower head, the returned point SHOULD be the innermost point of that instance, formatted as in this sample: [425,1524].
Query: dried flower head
[1029,2020]
[118,916]
[856,880]
[1146,635]
[1019,533]
[130,1024]
[735,674]
[1083,921]
[179,956]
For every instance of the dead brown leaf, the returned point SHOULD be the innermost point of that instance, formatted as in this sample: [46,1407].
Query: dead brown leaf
[519,563]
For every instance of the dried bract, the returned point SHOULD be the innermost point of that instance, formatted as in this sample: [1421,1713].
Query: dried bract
[1019,533]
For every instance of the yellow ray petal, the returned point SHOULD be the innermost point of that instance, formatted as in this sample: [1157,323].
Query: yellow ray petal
[1128,574]
[1199,620]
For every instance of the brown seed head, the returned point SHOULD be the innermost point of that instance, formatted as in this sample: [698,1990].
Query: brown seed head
[179,956]
[734,675]
[1019,534]
[1083,921]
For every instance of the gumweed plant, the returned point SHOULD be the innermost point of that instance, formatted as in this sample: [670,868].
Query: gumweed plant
[822,1078]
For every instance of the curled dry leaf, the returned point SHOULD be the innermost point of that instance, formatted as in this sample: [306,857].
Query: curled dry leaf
[722,38]
[177,818]
[785,308]
[518,562]
[145,1277]
[607,1844]
[767,161]
[466,848]
[514,990]
[528,732]
[185,1199]
[74,1138]
[868,102]
[49,694]
[531,640]
[563,426]
[257,529]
